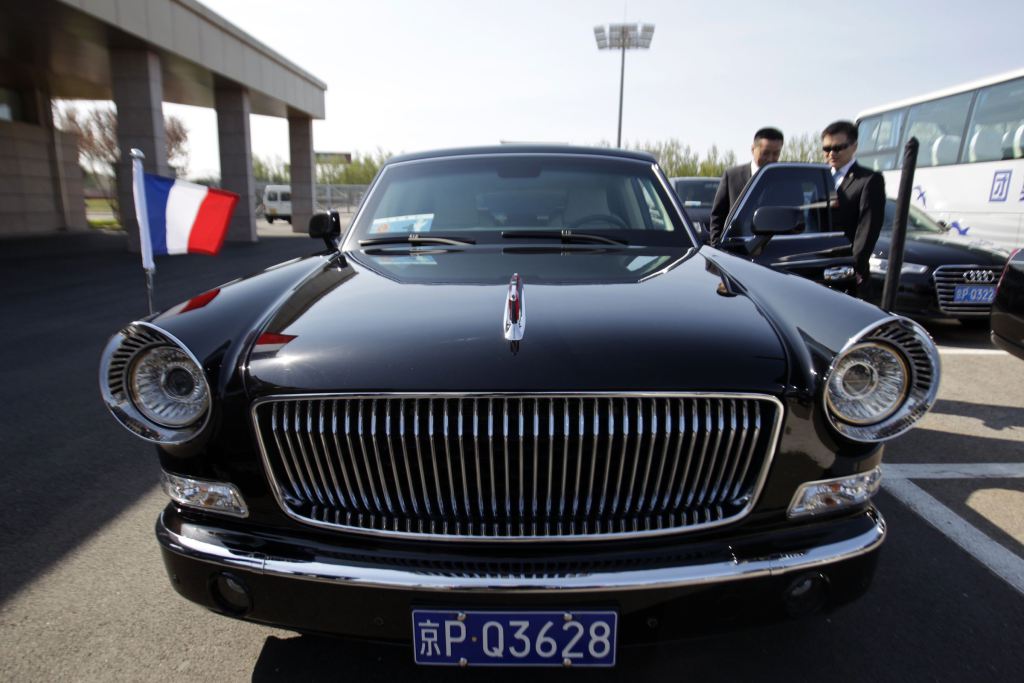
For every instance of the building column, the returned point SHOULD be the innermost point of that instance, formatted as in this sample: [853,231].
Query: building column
[138,94]
[232,104]
[300,145]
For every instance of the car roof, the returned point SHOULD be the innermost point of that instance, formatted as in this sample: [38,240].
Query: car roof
[696,177]
[523,149]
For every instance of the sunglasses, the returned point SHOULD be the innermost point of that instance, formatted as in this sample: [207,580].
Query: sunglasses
[835,148]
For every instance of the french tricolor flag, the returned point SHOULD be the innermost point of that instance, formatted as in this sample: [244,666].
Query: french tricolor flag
[178,217]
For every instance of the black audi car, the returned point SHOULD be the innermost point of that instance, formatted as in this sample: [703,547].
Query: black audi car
[943,276]
[518,415]
[1008,309]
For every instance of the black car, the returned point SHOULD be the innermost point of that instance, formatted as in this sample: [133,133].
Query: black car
[697,194]
[1008,308]
[518,415]
[943,276]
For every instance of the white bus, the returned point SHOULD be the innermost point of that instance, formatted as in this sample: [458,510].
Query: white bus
[970,166]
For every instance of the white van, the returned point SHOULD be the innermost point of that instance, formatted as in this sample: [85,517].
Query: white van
[277,202]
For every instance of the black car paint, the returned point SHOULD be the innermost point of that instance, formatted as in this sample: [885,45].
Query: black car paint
[1008,308]
[713,321]
[808,254]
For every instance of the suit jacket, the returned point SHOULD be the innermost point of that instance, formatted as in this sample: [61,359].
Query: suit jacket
[733,181]
[860,213]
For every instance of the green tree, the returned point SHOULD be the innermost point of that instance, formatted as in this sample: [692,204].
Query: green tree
[804,147]
[360,171]
[677,159]
[270,170]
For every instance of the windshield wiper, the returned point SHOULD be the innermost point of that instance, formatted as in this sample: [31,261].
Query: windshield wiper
[415,238]
[566,236]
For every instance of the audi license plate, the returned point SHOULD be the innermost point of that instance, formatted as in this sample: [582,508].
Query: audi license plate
[566,639]
[974,294]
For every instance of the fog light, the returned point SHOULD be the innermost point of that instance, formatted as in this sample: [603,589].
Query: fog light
[820,497]
[206,495]
[806,594]
[230,593]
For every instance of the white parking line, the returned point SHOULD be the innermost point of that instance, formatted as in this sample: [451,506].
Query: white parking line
[957,351]
[987,470]
[998,559]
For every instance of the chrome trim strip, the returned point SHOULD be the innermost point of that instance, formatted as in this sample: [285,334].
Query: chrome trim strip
[586,535]
[211,549]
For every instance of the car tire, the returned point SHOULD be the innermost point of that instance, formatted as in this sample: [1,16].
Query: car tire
[270,219]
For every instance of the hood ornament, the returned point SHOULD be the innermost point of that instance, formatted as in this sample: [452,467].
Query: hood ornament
[515,310]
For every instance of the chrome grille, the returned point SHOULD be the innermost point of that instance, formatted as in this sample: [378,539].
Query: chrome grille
[497,466]
[948,277]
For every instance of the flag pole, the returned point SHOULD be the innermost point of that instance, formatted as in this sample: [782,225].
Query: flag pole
[142,217]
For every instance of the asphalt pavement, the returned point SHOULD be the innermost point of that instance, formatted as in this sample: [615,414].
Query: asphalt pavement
[84,596]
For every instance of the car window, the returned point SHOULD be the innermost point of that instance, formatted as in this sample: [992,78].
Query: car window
[286,196]
[878,140]
[271,196]
[997,125]
[792,186]
[917,220]
[504,193]
[939,128]
[697,193]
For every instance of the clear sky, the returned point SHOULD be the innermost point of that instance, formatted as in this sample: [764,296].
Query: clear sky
[406,75]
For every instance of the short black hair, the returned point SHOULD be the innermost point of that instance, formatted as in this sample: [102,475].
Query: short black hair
[846,127]
[773,134]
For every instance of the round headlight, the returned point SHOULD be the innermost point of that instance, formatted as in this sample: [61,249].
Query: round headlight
[868,384]
[168,387]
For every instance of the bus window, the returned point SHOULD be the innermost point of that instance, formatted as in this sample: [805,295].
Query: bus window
[938,126]
[878,139]
[997,128]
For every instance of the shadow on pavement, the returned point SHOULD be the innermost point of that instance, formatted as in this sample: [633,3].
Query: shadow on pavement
[68,467]
[993,417]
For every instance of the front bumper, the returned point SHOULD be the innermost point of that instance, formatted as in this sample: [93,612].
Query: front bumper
[680,591]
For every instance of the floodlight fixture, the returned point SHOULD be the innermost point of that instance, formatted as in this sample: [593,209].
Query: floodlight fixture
[623,37]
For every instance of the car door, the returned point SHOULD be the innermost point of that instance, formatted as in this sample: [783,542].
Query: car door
[819,251]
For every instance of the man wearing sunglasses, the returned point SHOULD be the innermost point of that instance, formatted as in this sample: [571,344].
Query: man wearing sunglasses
[861,196]
[766,150]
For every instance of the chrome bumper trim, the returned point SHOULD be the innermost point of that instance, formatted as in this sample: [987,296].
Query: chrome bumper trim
[213,550]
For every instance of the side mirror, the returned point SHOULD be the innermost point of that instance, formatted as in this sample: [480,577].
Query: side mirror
[326,226]
[778,220]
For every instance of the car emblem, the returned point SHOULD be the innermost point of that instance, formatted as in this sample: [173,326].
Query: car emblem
[515,310]
[981,276]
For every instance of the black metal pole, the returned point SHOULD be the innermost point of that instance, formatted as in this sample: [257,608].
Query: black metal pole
[622,80]
[899,226]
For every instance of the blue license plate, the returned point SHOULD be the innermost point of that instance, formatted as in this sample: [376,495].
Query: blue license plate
[974,294]
[562,638]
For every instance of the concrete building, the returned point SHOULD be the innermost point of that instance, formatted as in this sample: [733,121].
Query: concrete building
[138,53]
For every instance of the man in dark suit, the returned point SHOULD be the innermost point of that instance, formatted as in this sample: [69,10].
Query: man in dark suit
[861,193]
[766,149]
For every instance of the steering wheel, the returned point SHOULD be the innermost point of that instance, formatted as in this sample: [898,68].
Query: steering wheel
[595,217]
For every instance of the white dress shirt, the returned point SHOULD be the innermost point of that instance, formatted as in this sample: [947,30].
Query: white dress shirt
[839,173]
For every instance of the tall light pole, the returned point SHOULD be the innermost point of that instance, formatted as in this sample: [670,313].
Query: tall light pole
[623,37]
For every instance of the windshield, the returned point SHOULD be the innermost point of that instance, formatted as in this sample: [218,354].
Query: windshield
[696,192]
[918,221]
[494,199]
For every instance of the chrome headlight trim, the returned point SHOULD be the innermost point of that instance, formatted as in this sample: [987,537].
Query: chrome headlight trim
[915,346]
[116,363]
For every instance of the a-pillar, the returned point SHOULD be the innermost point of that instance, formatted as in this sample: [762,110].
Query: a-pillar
[232,103]
[300,144]
[138,93]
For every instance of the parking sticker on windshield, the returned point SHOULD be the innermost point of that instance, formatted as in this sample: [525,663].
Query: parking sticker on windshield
[418,222]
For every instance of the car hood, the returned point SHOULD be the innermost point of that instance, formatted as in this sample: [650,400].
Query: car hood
[939,250]
[596,320]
